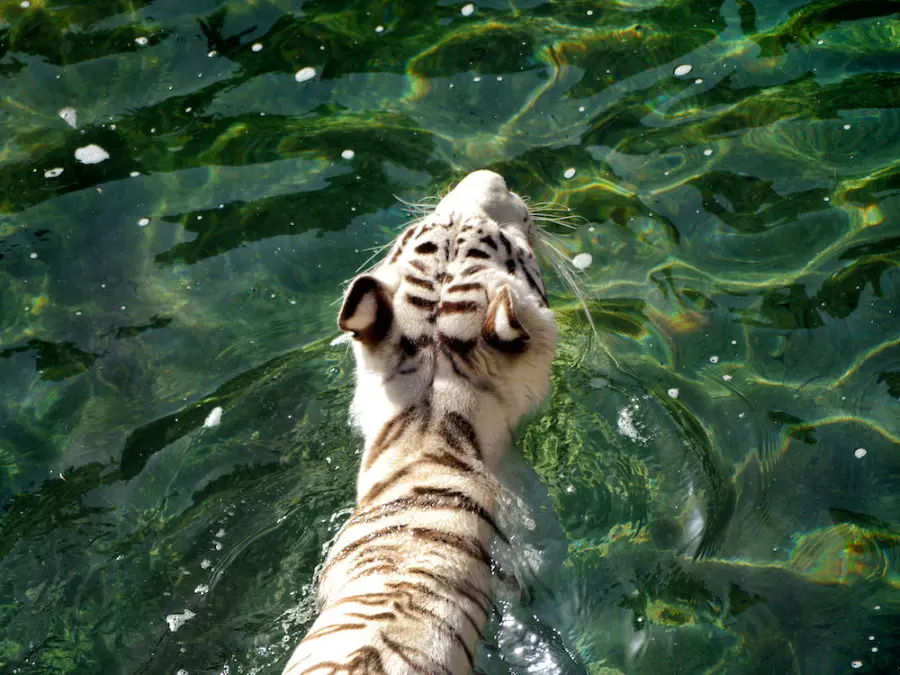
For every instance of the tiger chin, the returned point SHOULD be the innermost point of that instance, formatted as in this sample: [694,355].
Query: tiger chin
[453,341]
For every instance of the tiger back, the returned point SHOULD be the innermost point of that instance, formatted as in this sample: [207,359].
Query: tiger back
[453,341]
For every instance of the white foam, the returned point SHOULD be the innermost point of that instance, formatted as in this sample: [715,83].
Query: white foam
[91,154]
[69,116]
[305,74]
[176,621]
[582,261]
[627,427]
[214,417]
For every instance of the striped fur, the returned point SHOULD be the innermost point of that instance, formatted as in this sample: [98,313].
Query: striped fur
[453,342]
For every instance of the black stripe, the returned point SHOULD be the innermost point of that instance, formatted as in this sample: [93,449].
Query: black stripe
[434,668]
[424,589]
[428,498]
[489,240]
[461,347]
[469,546]
[421,283]
[426,247]
[415,611]
[364,660]
[477,253]
[506,243]
[456,425]
[461,587]
[417,264]
[325,631]
[390,433]
[535,286]
[412,346]
[474,269]
[444,459]
[510,266]
[462,288]
[458,307]
[421,303]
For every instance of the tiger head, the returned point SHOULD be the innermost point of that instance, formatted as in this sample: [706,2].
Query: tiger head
[456,315]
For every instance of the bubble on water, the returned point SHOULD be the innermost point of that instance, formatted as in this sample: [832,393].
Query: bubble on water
[211,53]
[582,261]
[24,4]
[708,152]
[699,80]
[305,74]
[379,29]
[859,453]
[141,41]
[91,154]
[569,173]
[53,173]
[856,664]
[467,10]
[257,47]
[846,127]
[176,621]
[214,417]
[673,392]
[33,256]
[477,78]
[727,378]
[69,116]
[820,42]
[202,589]
[205,563]
[134,174]
[713,359]
[144,222]
[683,69]
[627,426]
[581,108]
[348,154]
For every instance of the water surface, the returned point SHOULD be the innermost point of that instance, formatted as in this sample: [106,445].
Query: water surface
[714,486]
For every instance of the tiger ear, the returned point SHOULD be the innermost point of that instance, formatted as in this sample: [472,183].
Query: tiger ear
[367,311]
[502,329]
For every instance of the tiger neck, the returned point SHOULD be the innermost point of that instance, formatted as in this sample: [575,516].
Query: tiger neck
[454,432]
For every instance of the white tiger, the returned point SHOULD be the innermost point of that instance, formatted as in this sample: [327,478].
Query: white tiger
[453,341]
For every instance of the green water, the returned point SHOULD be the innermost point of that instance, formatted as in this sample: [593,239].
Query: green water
[691,501]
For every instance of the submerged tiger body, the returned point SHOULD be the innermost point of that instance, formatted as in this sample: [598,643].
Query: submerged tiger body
[453,341]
